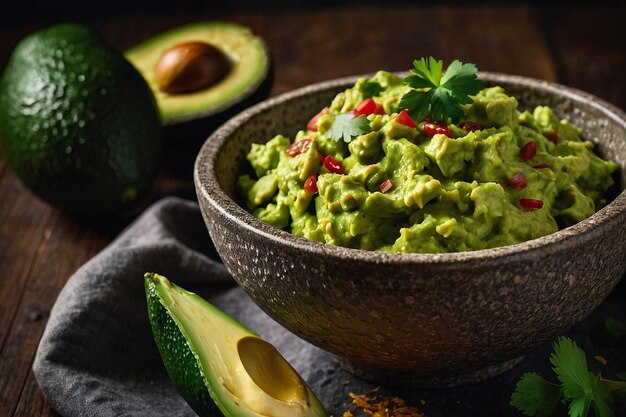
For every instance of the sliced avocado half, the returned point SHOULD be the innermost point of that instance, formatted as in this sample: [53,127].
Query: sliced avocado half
[249,68]
[217,364]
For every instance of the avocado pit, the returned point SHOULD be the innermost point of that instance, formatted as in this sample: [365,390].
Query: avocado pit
[189,67]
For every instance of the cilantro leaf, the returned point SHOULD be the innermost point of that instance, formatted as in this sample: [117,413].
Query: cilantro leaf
[602,399]
[418,103]
[615,387]
[534,396]
[443,108]
[582,389]
[427,74]
[371,89]
[570,366]
[442,92]
[346,126]
[460,80]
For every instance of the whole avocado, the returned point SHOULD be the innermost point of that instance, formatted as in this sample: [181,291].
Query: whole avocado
[78,124]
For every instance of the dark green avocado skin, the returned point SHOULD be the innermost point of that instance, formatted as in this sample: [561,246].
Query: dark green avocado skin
[78,124]
[178,358]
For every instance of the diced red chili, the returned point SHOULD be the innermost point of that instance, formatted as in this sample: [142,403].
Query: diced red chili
[334,166]
[386,186]
[320,157]
[406,120]
[310,184]
[471,126]
[530,203]
[367,107]
[528,151]
[553,137]
[518,181]
[312,125]
[435,128]
[298,147]
[539,166]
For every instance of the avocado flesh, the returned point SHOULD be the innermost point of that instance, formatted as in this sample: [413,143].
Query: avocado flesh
[246,52]
[204,351]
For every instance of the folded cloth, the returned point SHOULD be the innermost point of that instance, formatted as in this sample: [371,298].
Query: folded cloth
[97,356]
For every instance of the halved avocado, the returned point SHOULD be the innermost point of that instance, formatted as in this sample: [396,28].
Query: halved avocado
[247,53]
[217,364]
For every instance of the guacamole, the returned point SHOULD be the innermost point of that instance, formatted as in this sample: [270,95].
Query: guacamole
[498,177]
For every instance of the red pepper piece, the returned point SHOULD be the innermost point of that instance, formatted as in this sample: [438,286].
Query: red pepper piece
[320,157]
[405,119]
[471,126]
[310,184]
[530,203]
[312,125]
[386,185]
[528,151]
[435,128]
[298,147]
[518,180]
[367,107]
[539,166]
[553,137]
[334,166]
[379,109]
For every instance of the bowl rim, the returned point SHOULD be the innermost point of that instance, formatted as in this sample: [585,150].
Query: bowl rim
[611,217]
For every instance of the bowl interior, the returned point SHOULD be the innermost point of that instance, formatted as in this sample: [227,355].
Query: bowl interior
[223,158]
[601,123]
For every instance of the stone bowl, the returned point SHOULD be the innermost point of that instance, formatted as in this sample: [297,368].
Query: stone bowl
[423,320]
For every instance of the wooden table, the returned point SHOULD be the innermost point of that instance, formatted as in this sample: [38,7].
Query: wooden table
[40,247]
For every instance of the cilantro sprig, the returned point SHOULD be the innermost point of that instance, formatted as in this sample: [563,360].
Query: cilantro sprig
[345,126]
[439,92]
[371,89]
[578,387]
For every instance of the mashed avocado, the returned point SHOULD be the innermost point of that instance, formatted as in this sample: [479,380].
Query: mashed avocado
[498,177]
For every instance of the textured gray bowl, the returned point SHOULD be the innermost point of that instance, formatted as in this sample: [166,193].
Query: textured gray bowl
[421,319]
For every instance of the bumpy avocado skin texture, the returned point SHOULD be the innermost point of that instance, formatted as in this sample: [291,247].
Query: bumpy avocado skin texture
[178,357]
[198,345]
[78,124]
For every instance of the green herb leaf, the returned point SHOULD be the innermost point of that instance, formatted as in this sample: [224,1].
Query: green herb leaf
[442,92]
[579,387]
[345,126]
[417,102]
[534,396]
[570,366]
[371,89]
[602,399]
[615,387]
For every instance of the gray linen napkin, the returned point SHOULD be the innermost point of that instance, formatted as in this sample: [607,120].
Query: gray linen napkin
[97,356]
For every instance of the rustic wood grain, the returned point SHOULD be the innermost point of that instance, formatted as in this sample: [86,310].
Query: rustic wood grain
[40,247]
[3,167]
[589,47]
[69,246]
[32,402]
[25,225]
[315,45]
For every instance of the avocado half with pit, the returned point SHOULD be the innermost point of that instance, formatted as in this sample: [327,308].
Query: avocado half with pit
[245,76]
[218,365]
